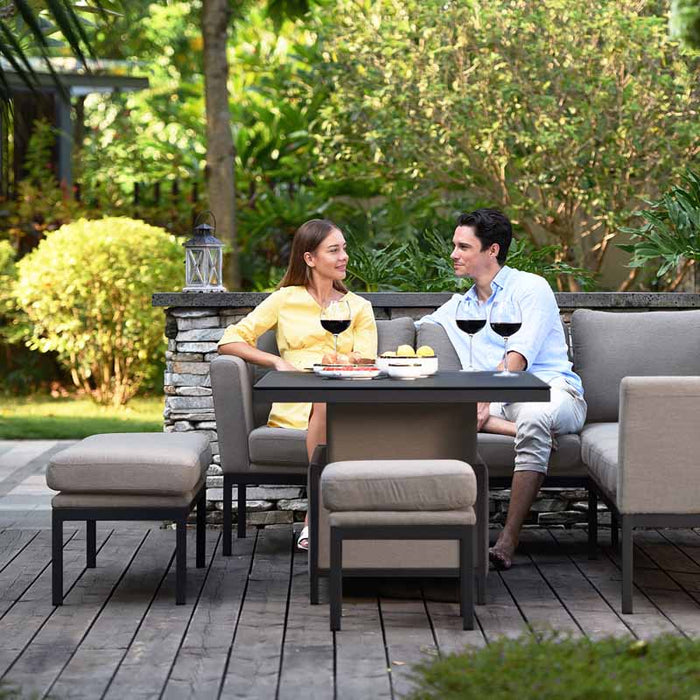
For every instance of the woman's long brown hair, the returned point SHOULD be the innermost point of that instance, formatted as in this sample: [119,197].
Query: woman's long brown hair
[307,239]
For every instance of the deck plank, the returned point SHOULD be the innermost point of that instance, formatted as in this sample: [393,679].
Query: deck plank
[255,656]
[308,659]
[585,604]
[647,621]
[144,670]
[409,638]
[103,648]
[56,640]
[201,662]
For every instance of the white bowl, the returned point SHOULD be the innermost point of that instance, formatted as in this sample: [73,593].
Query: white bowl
[405,371]
[429,365]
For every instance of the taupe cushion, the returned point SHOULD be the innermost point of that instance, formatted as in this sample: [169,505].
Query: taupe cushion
[128,463]
[391,334]
[282,446]
[373,518]
[609,346]
[402,484]
[599,452]
[434,334]
[498,452]
[122,500]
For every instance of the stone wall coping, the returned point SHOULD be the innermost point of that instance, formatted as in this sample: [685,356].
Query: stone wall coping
[566,300]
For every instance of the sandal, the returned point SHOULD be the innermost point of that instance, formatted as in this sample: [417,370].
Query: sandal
[303,539]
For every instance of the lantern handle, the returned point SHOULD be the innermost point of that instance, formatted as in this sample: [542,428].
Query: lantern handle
[204,213]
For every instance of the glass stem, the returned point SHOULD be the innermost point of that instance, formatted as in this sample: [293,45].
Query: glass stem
[505,355]
[335,338]
[471,343]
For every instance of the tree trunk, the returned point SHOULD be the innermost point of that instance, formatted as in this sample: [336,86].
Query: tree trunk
[220,150]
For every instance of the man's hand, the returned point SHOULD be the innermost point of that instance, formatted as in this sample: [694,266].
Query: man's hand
[284,366]
[482,414]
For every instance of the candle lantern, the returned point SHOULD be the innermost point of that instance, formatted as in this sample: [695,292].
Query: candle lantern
[204,260]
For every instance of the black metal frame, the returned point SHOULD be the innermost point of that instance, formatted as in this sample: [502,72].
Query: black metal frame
[465,534]
[627,522]
[243,480]
[92,515]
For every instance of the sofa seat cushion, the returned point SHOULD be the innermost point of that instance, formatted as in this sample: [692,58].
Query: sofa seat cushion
[599,451]
[381,518]
[498,452]
[278,446]
[129,463]
[398,485]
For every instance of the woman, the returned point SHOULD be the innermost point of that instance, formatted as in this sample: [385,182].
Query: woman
[314,277]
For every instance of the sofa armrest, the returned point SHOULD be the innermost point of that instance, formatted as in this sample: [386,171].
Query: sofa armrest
[659,445]
[233,405]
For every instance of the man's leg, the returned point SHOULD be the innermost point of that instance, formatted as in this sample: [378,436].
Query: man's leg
[536,423]
[524,490]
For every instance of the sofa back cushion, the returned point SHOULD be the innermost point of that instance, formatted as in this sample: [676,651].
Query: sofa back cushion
[434,335]
[610,345]
[390,334]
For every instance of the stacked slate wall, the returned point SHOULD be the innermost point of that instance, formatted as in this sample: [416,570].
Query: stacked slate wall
[195,322]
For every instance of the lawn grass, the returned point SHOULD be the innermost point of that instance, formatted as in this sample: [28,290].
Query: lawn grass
[46,418]
[576,669]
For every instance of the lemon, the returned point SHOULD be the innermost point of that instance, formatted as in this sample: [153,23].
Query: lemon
[389,353]
[405,351]
[425,351]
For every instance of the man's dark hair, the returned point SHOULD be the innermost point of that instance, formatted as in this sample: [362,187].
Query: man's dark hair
[490,226]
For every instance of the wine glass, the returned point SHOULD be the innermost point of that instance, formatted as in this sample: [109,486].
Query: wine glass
[506,319]
[470,318]
[335,318]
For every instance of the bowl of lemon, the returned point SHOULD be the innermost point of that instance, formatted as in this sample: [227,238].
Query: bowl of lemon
[418,363]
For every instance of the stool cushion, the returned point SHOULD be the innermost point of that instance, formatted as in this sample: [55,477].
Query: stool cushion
[128,463]
[398,485]
[373,518]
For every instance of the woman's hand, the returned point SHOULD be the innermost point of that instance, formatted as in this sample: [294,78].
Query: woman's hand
[284,366]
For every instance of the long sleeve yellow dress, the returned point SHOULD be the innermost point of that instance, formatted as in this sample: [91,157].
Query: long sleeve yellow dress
[301,340]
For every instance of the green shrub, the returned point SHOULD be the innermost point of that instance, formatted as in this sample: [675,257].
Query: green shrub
[555,668]
[85,293]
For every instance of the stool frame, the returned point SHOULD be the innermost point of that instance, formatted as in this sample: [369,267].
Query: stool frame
[92,515]
[465,534]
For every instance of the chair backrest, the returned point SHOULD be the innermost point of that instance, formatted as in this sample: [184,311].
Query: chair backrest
[390,334]
[611,345]
[435,336]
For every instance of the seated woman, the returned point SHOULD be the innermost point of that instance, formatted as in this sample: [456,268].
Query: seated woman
[314,277]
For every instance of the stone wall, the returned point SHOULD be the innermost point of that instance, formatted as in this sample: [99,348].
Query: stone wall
[195,322]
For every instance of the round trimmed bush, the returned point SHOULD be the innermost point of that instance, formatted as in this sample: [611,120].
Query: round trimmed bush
[86,292]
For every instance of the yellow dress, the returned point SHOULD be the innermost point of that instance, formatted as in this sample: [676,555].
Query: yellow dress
[301,340]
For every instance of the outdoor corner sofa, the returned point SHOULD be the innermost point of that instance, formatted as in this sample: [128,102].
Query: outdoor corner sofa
[641,441]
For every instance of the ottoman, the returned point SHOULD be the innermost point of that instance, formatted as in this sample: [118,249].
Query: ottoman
[129,476]
[401,499]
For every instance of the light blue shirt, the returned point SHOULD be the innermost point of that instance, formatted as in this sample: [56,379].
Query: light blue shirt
[540,340]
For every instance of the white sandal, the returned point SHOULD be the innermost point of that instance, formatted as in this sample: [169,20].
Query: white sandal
[303,539]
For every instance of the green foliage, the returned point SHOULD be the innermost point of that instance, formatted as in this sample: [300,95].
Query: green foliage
[685,21]
[85,293]
[670,234]
[552,668]
[562,113]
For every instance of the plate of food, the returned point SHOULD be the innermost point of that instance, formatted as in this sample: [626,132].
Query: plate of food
[347,371]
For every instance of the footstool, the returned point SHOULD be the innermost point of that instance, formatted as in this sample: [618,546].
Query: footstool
[401,499]
[130,476]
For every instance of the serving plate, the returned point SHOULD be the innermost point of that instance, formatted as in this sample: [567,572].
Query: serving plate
[347,371]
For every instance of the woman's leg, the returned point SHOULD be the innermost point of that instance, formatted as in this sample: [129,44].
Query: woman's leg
[316,435]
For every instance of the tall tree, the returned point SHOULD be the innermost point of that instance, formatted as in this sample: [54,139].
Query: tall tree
[216,15]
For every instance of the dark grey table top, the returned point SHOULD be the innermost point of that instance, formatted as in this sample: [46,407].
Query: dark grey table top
[443,387]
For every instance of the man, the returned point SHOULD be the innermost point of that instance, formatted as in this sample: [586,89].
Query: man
[481,241]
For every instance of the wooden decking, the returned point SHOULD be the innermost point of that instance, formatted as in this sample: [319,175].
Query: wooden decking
[248,631]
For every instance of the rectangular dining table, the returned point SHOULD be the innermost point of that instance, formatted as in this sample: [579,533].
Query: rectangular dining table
[383,418]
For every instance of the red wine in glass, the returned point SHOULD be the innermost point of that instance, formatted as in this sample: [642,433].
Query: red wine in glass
[471,325]
[505,330]
[335,327]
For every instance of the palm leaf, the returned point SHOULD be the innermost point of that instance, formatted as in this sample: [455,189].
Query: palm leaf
[67,27]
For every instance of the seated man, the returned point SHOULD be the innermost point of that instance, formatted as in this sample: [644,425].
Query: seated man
[481,241]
